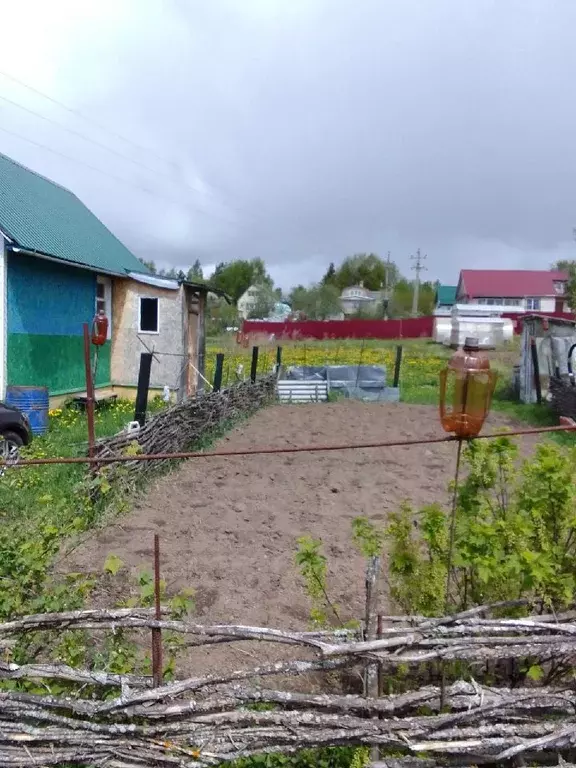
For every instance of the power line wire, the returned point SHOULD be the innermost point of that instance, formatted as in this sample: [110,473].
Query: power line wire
[110,175]
[102,127]
[83,136]
[80,114]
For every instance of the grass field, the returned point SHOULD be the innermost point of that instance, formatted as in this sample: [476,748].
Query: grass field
[422,362]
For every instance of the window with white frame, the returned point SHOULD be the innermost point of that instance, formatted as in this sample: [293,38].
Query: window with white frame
[148,315]
[104,300]
[533,304]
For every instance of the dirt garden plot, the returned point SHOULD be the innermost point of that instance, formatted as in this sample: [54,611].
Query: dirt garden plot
[228,526]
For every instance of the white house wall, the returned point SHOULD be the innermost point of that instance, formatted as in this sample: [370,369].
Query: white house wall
[128,342]
[547,304]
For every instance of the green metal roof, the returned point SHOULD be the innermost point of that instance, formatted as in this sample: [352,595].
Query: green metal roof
[39,215]
[446,294]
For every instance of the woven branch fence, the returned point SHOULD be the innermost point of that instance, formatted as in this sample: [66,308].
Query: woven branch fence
[124,722]
[184,424]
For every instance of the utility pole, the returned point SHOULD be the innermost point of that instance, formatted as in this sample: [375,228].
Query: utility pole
[417,267]
[387,287]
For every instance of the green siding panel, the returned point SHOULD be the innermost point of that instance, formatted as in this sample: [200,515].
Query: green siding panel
[56,362]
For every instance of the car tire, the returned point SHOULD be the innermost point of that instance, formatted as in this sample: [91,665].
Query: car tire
[10,444]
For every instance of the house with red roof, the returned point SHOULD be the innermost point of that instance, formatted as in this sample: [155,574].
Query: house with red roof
[528,290]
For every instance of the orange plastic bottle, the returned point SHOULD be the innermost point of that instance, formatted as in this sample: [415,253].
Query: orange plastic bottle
[466,387]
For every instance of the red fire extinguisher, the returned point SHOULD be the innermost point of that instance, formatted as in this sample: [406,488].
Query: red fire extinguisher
[99,329]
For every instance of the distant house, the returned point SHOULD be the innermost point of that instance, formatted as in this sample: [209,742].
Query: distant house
[58,266]
[247,301]
[356,299]
[445,297]
[528,290]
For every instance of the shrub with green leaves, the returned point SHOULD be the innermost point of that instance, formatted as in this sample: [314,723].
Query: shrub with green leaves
[514,534]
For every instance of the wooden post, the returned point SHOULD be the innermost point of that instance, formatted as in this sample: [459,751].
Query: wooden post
[536,367]
[254,367]
[397,365]
[278,359]
[143,386]
[370,633]
[217,385]
[89,392]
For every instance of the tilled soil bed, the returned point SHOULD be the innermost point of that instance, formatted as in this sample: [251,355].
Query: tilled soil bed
[228,526]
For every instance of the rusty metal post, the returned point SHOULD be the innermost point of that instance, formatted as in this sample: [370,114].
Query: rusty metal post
[157,633]
[89,391]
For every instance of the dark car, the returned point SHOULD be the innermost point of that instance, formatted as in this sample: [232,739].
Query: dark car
[14,431]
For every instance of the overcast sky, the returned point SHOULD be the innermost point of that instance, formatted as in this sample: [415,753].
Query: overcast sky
[302,131]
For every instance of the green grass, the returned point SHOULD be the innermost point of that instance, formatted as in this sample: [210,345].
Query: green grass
[57,494]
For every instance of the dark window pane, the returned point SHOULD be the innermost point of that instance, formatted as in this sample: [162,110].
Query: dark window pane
[149,315]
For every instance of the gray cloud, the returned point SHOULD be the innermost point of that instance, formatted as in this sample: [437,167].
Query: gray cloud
[302,132]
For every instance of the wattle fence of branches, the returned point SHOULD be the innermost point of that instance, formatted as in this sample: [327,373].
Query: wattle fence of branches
[184,424]
[124,722]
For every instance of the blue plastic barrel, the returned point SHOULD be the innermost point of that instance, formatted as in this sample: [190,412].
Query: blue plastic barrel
[33,401]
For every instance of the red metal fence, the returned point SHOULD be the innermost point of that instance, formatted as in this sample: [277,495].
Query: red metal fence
[409,328]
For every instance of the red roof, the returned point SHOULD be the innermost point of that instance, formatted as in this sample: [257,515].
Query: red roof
[508,283]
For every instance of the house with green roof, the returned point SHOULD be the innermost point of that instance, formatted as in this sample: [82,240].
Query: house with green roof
[445,297]
[59,265]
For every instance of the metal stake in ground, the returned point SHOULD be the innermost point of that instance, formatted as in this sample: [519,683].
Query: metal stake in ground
[254,367]
[218,372]
[143,386]
[397,365]
[536,370]
[89,391]
[157,633]
[452,536]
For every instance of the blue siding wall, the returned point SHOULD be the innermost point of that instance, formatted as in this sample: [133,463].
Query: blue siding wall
[48,298]
[47,305]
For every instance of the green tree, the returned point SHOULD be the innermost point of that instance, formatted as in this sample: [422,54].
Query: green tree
[401,299]
[235,277]
[400,304]
[330,276]
[168,273]
[149,265]
[265,300]
[318,302]
[426,298]
[195,272]
[220,315]
[368,269]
